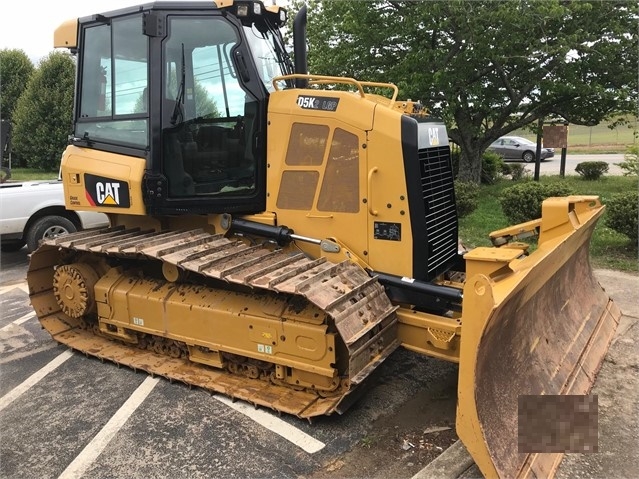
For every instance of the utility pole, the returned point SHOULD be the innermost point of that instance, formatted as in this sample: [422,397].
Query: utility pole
[564,149]
[538,155]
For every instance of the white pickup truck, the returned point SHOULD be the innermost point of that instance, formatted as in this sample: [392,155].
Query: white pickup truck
[33,210]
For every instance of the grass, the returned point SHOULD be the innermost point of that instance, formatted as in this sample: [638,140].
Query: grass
[368,441]
[608,249]
[30,174]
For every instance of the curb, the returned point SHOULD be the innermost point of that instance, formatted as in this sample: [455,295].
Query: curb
[450,464]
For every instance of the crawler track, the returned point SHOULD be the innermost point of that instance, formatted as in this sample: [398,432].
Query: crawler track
[353,302]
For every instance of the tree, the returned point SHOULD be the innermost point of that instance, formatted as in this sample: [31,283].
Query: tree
[486,67]
[44,113]
[15,71]
[204,104]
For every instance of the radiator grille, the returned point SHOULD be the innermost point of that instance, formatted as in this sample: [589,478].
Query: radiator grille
[439,206]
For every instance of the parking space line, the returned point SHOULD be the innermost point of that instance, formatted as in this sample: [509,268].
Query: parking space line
[91,451]
[275,424]
[19,321]
[32,380]
[22,286]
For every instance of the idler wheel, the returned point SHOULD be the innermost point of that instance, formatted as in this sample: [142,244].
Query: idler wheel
[73,288]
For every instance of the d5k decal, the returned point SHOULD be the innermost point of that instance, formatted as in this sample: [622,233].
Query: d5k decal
[103,191]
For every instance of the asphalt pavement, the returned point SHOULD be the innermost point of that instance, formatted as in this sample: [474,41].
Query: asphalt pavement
[552,166]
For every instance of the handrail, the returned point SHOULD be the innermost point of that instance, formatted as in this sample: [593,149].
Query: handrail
[320,79]
[384,85]
[371,172]
[325,80]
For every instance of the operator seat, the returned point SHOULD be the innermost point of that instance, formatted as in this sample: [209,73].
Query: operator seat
[180,182]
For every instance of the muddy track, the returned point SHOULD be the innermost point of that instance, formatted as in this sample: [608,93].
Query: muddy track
[353,301]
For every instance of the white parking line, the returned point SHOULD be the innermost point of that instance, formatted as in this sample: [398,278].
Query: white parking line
[83,461]
[23,286]
[275,424]
[19,321]
[32,380]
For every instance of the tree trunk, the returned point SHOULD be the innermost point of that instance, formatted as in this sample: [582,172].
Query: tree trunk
[469,165]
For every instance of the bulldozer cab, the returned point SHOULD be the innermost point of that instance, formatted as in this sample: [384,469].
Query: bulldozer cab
[186,90]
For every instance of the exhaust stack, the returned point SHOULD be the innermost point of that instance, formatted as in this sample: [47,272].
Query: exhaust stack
[299,46]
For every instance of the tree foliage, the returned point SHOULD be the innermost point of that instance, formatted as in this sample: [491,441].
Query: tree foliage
[486,67]
[44,113]
[15,71]
[205,105]
[630,164]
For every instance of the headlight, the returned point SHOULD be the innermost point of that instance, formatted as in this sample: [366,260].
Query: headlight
[242,10]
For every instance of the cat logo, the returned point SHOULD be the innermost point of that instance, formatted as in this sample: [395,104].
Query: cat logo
[101,191]
[433,136]
[107,193]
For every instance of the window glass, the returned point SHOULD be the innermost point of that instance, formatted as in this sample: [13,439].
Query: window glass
[216,90]
[209,122]
[114,104]
[130,67]
[96,73]
[265,55]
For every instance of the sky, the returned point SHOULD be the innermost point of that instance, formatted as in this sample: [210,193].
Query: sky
[30,26]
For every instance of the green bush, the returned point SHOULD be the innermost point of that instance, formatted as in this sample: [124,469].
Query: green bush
[43,117]
[630,165]
[592,170]
[622,211]
[467,197]
[517,171]
[522,202]
[492,166]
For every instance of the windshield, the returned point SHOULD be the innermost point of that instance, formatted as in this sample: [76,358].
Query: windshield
[269,55]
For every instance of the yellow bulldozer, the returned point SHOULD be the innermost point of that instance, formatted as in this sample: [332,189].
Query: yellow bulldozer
[275,235]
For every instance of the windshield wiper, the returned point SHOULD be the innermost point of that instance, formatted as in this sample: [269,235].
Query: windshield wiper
[283,58]
[179,100]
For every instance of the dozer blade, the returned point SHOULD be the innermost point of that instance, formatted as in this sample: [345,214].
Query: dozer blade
[534,325]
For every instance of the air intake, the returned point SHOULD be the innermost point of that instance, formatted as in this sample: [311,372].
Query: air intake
[438,193]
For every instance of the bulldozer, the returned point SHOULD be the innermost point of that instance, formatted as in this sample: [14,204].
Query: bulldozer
[276,235]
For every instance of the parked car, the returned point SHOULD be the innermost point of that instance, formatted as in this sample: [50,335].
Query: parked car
[518,148]
[31,211]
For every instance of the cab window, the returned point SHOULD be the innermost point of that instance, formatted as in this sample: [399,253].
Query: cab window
[208,120]
[113,104]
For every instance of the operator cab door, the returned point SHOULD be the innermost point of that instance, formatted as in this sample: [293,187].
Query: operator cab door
[211,118]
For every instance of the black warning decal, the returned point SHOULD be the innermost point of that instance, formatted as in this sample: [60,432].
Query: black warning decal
[387,231]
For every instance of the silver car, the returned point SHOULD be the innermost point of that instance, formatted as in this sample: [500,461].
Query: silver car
[518,148]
